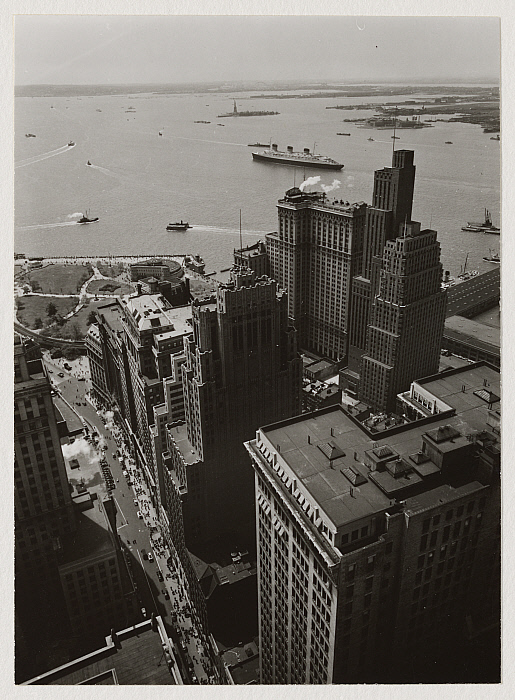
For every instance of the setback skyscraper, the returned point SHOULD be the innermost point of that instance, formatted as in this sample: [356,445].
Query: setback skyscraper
[392,202]
[408,314]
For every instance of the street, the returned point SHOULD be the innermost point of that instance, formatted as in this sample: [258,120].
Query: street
[139,536]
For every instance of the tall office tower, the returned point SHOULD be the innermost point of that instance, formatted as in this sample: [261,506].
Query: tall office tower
[254,257]
[314,256]
[241,370]
[42,501]
[391,207]
[378,553]
[407,318]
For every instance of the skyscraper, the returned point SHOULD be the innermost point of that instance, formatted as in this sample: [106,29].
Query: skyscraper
[43,507]
[407,319]
[377,551]
[314,255]
[241,370]
[391,207]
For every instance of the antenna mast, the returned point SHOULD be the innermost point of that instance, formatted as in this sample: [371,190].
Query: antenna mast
[241,244]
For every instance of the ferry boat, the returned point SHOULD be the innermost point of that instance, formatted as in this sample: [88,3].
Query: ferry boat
[450,142]
[259,145]
[290,157]
[495,138]
[178,226]
[86,220]
[485,227]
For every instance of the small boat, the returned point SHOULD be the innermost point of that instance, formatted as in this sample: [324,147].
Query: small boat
[178,226]
[201,121]
[99,110]
[395,137]
[220,124]
[495,138]
[449,142]
[340,134]
[88,163]
[485,227]
[370,138]
[86,220]
[71,143]
[160,133]
[493,258]
[259,145]
[30,136]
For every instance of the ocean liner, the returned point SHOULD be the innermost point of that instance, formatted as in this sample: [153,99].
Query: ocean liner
[290,157]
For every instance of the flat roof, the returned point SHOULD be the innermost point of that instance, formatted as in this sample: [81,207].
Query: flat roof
[473,332]
[91,538]
[332,431]
[112,312]
[153,311]
[137,659]
[180,435]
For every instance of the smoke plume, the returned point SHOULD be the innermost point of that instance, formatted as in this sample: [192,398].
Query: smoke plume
[334,186]
[80,448]
[309,182]
[77,215]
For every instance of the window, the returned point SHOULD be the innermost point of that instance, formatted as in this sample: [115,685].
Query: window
[425,525]
[460,510]
[423,542]
[449,514]
[436,520]
[446,532]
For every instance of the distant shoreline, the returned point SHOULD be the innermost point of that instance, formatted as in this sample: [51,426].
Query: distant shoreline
[305,90]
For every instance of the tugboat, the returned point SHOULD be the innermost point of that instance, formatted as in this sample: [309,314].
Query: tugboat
[370,138]
[485,227]
[178,226]
[160,133]
[88,163]
[30,136]
[86,220]
[71,143]
[449,142]
[341,134]
[493,258]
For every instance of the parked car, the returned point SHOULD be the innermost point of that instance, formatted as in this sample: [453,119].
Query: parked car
[144,554]
[159,575]
[140,515]
[135,502]
[150,556]
[61,374]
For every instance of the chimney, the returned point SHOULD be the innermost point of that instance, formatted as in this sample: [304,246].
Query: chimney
[332,432]
[309,439]
[138,289]
[351,492]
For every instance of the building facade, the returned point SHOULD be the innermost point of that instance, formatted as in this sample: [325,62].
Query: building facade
[407,318]
[241,370]
[43,508]
[314,255]
[392,202]
[377,552]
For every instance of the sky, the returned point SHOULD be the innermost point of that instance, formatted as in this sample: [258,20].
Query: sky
[80,49]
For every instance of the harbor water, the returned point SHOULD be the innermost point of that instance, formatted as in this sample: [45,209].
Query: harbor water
[139,181]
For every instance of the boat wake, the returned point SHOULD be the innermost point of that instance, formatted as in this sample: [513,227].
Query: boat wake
[43,156]
[36,226]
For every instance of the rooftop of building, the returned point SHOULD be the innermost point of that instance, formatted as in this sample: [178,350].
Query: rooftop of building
[157,262]
[328,451]
[137,657]
[112,313]
[92,537]
[153,311]
[477,334]
[243,663]
[179,432]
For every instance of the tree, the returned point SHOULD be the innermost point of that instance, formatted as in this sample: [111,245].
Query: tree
[38,323]
[51,309]
[92,318]
[36,287]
